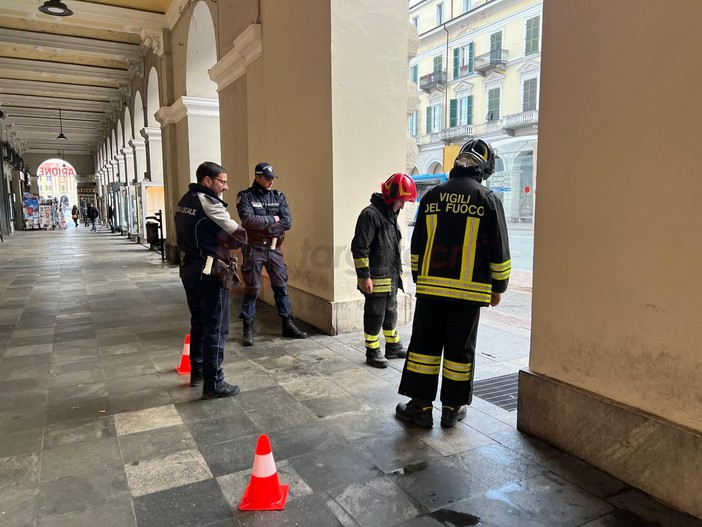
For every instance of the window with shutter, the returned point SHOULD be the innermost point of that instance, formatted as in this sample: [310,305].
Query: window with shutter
[533,30]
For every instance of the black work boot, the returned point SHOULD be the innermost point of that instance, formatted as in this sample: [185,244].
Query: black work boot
[450,415]
[248,339]
[416,412]
[224,390]
[395,351]
[376,358]
[196,378]
[290,330]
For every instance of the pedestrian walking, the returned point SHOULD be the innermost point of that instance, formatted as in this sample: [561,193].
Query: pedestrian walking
[75,212]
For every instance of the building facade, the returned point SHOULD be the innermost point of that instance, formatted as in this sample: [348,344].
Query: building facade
[477,73]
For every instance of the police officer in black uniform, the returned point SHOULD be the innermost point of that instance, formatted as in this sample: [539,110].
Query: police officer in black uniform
[460,261]
[265,215]
[206,233]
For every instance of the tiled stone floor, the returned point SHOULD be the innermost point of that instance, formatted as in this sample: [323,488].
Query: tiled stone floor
[96,428]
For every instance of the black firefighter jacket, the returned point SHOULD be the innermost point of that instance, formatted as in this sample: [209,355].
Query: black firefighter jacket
[204,228]
[376,247]
[460,248]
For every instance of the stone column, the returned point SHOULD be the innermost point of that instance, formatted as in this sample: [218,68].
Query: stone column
[154,152]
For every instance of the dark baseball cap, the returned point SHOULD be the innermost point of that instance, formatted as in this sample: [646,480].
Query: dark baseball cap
[265,170]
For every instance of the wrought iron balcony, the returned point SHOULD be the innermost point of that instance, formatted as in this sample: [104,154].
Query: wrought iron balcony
[457,132]
[427,82]
[495,60]
[523,120]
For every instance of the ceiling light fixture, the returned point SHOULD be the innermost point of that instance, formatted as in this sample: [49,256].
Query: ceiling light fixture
[55,8]
[60,135]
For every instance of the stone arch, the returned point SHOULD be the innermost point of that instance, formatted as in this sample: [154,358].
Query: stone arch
[138,112]
[127,126]
[201,54]
[153,99]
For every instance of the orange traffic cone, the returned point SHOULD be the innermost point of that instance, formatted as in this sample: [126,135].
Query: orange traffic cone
[184,367]
[264,493]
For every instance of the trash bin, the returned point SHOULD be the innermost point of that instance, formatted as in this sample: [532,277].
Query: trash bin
[152,233]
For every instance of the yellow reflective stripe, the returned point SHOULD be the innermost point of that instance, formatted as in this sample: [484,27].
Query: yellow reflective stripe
[457,366]
[498,267]
[431,233]
[391,336]
[381,281]
[360,263]
[414,262]
[414,266]
[452,293]
[423,368]
[382,289]
[454,284]
[470,242]
[501,271]
[455,376]
[426,359]
[372,341]
[414,257]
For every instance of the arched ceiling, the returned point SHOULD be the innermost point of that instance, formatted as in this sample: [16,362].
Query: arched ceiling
[82,64]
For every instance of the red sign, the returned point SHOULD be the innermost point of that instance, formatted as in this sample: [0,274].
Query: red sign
[55,168]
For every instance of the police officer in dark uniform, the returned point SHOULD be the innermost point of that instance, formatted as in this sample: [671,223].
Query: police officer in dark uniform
[376,256]
[206,233]
[460,262]
[265,215]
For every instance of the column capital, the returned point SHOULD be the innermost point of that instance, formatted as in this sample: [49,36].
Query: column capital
[138,144]
[151,133]
[188,107]
[247,48]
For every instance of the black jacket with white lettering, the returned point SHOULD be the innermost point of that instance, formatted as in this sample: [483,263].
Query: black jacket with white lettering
[376,247]
[460,248]
[204,228]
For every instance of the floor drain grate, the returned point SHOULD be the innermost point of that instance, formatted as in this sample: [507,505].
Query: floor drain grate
[501,391]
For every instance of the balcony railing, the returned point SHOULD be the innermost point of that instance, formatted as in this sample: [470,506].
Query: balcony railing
[427,82]
[494,125]
[464,71]
[514,122]
[492,61]
[457,132]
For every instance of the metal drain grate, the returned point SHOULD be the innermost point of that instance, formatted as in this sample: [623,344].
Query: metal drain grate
[501,391]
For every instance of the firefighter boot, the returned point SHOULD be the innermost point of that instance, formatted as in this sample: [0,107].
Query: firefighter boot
[450,415]
[376,358]
[395,351]
[248,339]
[417,412]
[290,330]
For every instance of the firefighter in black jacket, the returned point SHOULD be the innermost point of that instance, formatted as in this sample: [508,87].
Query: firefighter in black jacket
[376,255]
[207,233]
[265,215]
[460,262]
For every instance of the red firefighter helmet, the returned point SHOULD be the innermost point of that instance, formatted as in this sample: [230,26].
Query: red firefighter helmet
[398,187]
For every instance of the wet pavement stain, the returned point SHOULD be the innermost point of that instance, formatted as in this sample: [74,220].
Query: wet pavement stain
[454,518]
[411,469]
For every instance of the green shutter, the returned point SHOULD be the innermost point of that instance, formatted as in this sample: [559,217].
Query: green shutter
[456,63]
[439,63]
[415,74]
[428,119]
[453,113]
[469,104]
[471,57]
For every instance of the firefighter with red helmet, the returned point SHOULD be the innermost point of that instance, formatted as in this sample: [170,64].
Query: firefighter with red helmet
[377,260]
[460,261]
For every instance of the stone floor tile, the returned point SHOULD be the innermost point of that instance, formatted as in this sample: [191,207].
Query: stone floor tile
[223,429]
[199,410]
[273,409]
[393,452]
[76,394]
[448,441]
[197,504]
[131,401]
[19,471]
[67,460]
[78,411]
[649,510]
[148,419]
[496,465]
[488,510]
[326,469]
[116,513]
[153,443]
[81,492]
[231,456]
[79,432]
[18,506]
[20,442]
[304,390]
[362,424]
[375,502]
[536,496]
[436,483]
[166,472]
[21,351]
[62,380]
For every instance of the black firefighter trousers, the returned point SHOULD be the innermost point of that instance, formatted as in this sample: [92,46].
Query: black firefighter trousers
[448,327]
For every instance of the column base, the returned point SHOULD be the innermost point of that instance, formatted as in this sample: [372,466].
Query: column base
[659,457]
